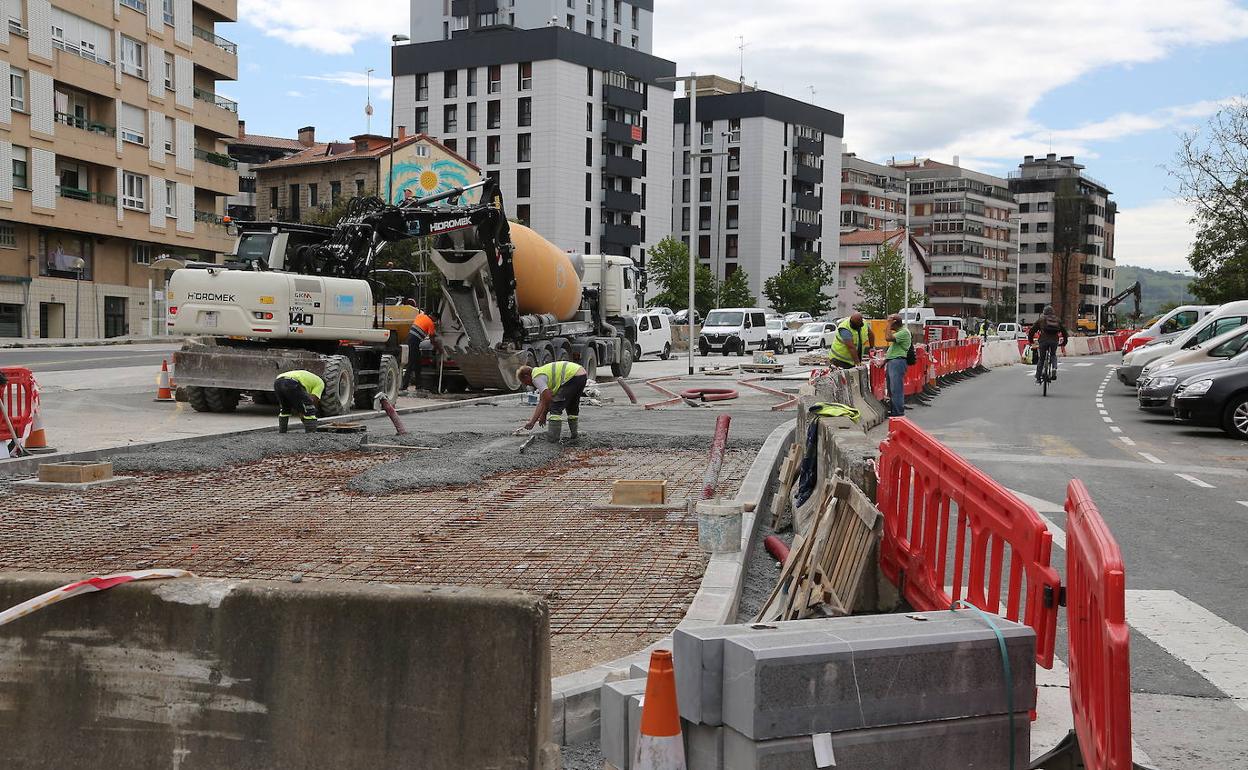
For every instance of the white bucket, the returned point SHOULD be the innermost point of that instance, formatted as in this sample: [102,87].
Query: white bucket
[719,526]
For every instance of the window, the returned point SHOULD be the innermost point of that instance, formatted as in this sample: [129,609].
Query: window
[524,148]
[493,150]
[684,218]
[170,131]
[734,159]
[589,188]
[589,80]
[589,28]
[313,194]
[524,111]
[684,191]
[589,152]
[422,120]
[523,214]
[522,182]
[273,197]
[734,188]
[1042,206]
[450,118]
[1042,227]
[134,191]
[470,79]
[524,76]
[685,168]
[1025,227]
[571,21]
[734,129]
[733,217]
[704,217]
[459,23]
[472,149]
[636,16]
[359,188]
[450,84]
[589,222]
[495,79]
[635,41]
[422,87]
[493,114]
[704,165]
[487,19]
[168,71]
[472,116]
[132,124]
[17,89]
[335,192]
[704,247]
[1042,247]
[589,117]
[141,253]
[132,56]
[730,246]
[21,176]
[171,199]
[704,190]
[615,37]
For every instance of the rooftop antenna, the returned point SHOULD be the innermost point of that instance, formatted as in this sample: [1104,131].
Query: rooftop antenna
[368,101]
[741,44]
[812,94]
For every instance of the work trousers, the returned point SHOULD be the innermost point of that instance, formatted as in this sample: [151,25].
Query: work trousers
[293,399]
[568,398]
[895,371]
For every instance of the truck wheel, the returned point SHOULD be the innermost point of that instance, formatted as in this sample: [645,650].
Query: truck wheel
[198,399]
[742,347]
[667,351]
[704,348]
[589,360]
[625,365]
[339,386]
[388,385]
[222,399]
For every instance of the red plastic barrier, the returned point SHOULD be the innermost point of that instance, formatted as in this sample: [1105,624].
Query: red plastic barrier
[916,376]
[878,377]
[935,502]
[21,399]
[1120,338]
[1100,656]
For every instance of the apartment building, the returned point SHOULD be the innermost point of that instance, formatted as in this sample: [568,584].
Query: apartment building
[748,190]
[251,150]
[873,197]
[112,155]
[859,248]
[619,22]
[1066,241]
[577,130]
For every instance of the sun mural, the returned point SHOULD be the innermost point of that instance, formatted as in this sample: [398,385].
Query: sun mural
[422,177]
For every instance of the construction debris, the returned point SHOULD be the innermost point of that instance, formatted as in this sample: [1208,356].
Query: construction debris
[789,471]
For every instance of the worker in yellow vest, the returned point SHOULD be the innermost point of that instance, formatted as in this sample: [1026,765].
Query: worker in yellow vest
[852,342]
[298,391]
[559,387]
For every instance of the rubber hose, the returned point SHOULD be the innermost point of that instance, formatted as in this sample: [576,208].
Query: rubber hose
[777,548]
[710,394]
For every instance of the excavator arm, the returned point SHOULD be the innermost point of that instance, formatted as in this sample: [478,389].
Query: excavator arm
[1132,290]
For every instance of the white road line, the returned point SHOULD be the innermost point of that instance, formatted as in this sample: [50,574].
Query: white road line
[1126,441]
[1107,419]
[1212,647]
[1102,411]
[1081,364]
[1194,480]
[1115,429]
[1151,458]
[1243,503]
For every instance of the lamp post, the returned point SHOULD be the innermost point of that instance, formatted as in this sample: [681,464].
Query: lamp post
[905,286]
[78,265]
[368,100]
[1018,258]
[695,140]
[394,40]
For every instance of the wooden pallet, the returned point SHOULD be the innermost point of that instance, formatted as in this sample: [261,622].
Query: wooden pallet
[763,368]
[790,469]
[342,427]
[813,359]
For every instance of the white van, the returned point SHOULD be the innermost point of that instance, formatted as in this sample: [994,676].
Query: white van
[946,320]
[917,315]
[1168,326]
[1230,316]
[654,335]
[734,330]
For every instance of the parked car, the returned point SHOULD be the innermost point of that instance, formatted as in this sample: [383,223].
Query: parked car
[733,330]
[817,334]
[797,320]
[780,338]
[682,318]
[1010,331]
[1218,399]
[1230,316]
[1167,326]
[654,336]
[660,309]
[1220,347]
[1154,392]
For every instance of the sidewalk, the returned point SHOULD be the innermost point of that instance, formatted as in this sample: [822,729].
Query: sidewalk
[87,343]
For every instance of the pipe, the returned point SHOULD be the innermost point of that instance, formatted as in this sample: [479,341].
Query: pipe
[777,548]
[709,394]
[711,478]
[399,428]
[632,397]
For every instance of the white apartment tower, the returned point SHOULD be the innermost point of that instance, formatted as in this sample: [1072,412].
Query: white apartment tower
[619,22]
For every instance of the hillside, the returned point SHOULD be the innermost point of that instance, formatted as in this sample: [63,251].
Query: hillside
[1159,287]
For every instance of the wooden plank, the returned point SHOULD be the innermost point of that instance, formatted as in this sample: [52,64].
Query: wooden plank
[75,472]
[639,492]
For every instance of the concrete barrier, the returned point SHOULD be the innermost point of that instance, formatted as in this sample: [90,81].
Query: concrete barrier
[1000,353]
[194,673]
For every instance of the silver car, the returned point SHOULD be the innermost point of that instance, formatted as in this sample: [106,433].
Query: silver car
[1154,391]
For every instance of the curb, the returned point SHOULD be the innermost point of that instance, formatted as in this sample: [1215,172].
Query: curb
[575,697]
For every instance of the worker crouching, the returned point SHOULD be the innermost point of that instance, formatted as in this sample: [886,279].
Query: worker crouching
[298,392]
[559,387]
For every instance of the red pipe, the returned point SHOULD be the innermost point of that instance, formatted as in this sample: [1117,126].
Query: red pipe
[777,548]
[399,429]
[632,397]
[709,394]
[711,477]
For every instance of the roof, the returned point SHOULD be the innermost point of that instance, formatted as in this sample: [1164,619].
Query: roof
[377,147]
[272,142]
[870,237]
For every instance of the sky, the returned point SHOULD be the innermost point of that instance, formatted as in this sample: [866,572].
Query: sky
[1112,82]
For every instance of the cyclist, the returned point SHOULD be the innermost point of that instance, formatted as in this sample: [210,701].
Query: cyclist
[1052,334]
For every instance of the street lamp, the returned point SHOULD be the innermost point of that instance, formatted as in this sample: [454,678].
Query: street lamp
[368,100]
[78,264]
[1018,258]
[394,40]
[691,88]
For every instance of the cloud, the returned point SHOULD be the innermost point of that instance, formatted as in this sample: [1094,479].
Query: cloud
[1157,235]
[295,94]
[327,26]
[378,83]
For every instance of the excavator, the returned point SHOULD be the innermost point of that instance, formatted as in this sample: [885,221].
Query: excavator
[299,296]
[1087,322]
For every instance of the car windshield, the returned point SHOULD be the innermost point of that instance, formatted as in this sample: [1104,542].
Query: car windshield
[775,323]
[724,318]
[815,328]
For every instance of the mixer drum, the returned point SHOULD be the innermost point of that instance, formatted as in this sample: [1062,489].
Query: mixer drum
[546,281]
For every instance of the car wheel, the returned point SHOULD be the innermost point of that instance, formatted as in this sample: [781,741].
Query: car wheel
[667,351]
[1235,418]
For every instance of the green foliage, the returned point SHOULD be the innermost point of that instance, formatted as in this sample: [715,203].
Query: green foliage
[1160,290]
[798,287]
[667,270]
[1220,252]
[882,285]
[734,291]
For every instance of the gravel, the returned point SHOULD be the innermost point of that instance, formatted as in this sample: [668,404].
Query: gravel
[761,572]
[583,756]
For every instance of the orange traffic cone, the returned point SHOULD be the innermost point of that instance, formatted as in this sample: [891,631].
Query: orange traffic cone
[659,746]
[37,441]
[163,391]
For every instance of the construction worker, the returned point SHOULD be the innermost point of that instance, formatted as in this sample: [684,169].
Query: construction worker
[422,329]
[298,391]
[853,340]
[559,386]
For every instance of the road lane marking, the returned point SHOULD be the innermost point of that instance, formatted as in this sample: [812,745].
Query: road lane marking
[1126,441]
[36,367]
[1081,364]
[1115,429]
[1195,480]
[1209,645]
[1096,462]
[1151,458]
[1102,411]
[1107,419]
[1243,503]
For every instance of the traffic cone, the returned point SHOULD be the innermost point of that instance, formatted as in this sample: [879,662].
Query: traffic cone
[659,746]
[163,392]
[37,441]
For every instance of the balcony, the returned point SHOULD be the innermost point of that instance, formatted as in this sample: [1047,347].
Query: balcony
[624,133]
[226,10]
[808,202]
[215,53]
[75,194]
[216,172]
[618,165]
[622,97]
[808,174]
[808,231]
[802,144]
[220,101]
[624,235]
[621,201]
[222,120]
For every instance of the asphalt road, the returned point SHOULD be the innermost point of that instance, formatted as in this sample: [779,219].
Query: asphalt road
[1176,500]
[86,358]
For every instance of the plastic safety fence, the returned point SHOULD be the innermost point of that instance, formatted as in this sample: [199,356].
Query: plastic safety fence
[946,523]
[20,396]
[1120,338]
[1099,659]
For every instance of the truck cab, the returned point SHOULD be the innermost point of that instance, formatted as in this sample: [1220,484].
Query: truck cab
[621,279]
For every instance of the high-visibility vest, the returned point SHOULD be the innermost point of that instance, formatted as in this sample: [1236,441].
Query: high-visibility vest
[840,351]
[823,409]
[310,382]
[557,373]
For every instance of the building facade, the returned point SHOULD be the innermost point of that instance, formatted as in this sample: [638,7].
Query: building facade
[1066,241]
[748,190]
[112,155]
[620,22]
[251,150]
[577,130]
[858,248]
[873,197]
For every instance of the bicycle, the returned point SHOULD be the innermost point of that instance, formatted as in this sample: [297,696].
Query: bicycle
[1049,373]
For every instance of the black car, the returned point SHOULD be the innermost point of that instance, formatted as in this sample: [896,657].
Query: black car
[1218,399]
[1155,390]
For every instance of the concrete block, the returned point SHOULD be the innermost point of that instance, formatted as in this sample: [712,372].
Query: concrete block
[704,746]
[977,742]
[581,716]
[556,718]
[75,471]
[639,492]
[616,728]
[873,671]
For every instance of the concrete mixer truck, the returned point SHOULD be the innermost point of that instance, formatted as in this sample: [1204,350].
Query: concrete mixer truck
[297,296]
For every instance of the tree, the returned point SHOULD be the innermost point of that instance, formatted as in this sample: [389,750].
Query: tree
[667,270]
[1211,168]
[882,285]
[798,287]
[734,291]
